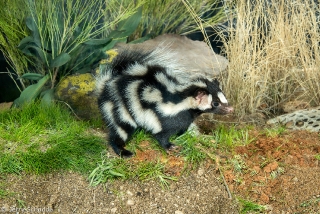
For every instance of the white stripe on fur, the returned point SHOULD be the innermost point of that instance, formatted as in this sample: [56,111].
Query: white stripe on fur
[108,113]
[144,117]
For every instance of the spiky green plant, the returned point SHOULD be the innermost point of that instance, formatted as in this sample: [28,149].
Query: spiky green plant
[159,17]
[68,36]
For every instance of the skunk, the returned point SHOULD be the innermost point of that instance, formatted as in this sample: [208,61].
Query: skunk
[150,91]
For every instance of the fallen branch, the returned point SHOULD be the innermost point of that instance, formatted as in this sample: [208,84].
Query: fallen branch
[216,160]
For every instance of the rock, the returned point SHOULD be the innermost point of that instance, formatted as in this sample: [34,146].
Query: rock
[200,172]
[307,119]
[5,106]
[113,210]
[129,193]
[130,202]
[295,179]
[78,91]
[194,55]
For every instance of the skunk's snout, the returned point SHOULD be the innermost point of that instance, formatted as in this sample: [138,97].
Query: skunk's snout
[222,108]
[229,109]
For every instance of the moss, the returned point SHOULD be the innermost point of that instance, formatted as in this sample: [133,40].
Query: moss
[78,92]
[112,54]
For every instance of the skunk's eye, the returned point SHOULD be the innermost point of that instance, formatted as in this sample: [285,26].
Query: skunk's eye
[216,104]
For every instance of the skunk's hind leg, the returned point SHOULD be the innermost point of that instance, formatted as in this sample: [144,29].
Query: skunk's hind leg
[117,143]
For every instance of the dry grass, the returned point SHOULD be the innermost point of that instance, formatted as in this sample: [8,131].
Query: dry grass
[274,55]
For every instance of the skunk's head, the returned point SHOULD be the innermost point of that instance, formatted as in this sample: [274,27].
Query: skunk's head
[212,99]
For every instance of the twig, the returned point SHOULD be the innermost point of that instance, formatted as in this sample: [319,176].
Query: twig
[220,171]
[70,109]
[225,183]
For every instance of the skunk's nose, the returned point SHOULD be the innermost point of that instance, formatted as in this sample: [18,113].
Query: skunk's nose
[229,109]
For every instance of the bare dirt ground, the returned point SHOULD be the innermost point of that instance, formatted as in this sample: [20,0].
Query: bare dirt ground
[280,172]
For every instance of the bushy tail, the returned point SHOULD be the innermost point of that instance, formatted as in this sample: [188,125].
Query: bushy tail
[128,57]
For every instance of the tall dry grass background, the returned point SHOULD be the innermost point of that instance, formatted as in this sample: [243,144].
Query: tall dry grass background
[274,54]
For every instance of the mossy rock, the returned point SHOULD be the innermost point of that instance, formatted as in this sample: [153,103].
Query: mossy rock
[78,91]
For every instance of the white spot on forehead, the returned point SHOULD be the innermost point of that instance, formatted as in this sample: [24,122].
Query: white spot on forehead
[222,98]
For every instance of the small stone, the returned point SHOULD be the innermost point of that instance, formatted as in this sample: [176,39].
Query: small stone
[113,210]
[200,172]
[295,179]
[178,212]
[129,193]
[130,202]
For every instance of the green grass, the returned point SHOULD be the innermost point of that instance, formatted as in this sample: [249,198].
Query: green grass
[274,132]
[109,168]
[39,139]
[310,202]
[229,137]
[154,171]
[250,207]
[3,192]
[191,147]
[197,148]
[140,136]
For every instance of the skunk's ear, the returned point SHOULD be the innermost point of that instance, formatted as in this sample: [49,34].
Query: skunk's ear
[199,94]
[203,99]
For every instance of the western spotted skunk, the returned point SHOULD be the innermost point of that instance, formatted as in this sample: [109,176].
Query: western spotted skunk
[148,90]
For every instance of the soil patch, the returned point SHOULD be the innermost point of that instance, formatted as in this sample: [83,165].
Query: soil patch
[70,193]
[281,172]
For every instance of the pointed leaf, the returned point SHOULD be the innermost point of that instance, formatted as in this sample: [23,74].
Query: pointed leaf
[24,42]
[60,21]
[31,92]
[27,51]
[38,53]
[98,41]
[117,33]
[113,43]
[32,25]
[31,76]
[142,39]
[33,50]
[60,60]
[47,97]
[131,23]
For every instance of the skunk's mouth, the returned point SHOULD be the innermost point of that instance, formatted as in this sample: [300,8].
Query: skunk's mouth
[222,108]
[228,109]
